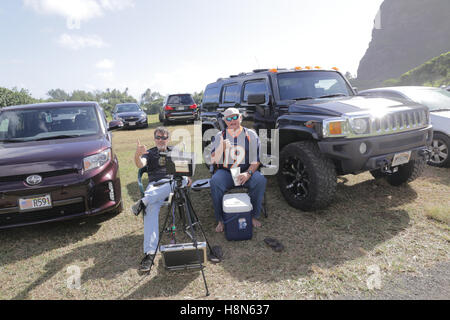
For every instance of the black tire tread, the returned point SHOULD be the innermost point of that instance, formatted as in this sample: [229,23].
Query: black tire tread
[321,169]
[407,172]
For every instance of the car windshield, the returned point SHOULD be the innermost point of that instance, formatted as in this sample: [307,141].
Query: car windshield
[311,85]
[433,98]
[181,99]
[47,124]
[128,108]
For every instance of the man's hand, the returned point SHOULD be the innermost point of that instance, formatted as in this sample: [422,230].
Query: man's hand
[140,149]
[226,144]
[243,178]
[189,182]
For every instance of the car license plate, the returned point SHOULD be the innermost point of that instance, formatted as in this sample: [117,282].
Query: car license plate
[401,158]
[132,123]
[180,108]
[35,203]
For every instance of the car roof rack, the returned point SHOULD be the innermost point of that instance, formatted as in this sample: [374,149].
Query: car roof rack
[260,70]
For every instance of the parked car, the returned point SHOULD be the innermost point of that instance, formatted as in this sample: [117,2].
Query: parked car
[324,129]
[56,163]
[178,107]
[438,101]
[131,115]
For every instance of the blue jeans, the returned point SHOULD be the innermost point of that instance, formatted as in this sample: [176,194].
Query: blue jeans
[222,181]
[153,199]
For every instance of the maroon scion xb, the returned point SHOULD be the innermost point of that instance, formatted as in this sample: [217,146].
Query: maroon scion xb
[56,163]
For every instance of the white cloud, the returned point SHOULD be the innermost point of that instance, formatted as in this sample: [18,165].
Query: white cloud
[107,77]
[105,64]
[79,42]
[116,5]
[76,11]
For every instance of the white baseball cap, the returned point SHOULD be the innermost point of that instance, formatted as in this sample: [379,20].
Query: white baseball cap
[230,111]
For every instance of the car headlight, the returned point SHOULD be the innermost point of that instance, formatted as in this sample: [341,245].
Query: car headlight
[336,127]
[360,125]
[144,116]
[97,160]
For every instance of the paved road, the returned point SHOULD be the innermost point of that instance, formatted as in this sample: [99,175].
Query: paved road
[432,284]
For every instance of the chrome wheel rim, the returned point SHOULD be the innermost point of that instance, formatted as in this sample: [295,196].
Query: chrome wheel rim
[439,151]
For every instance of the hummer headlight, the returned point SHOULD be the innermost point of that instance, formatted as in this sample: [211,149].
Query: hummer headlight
[360,125]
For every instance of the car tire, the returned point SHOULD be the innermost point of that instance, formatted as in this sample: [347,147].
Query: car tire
[440,147]
[407,172]
[306,178]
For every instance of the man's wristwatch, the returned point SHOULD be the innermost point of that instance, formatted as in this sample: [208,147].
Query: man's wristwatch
[250,172]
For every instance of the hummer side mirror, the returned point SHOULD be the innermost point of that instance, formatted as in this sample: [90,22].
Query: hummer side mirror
[259,99]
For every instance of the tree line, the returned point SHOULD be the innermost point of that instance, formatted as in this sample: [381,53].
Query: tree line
[150,101]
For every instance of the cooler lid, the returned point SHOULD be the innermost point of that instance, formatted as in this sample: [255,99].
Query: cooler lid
[237,202]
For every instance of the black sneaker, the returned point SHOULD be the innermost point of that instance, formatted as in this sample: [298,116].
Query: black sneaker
[137,207]
[146,263]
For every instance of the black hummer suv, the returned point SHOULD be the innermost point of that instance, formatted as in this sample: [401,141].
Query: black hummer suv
[324,129]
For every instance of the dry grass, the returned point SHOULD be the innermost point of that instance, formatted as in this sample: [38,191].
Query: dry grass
[438,213]
[327,253]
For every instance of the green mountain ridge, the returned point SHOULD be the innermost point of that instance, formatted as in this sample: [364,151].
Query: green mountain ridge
[407,34]
[433,73]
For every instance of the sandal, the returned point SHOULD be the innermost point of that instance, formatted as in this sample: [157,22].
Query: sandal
[274,244]
[216,254]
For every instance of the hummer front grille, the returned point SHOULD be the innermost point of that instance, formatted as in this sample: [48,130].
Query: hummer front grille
[399,122]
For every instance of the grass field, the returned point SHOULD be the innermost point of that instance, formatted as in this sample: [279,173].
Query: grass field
[328,253]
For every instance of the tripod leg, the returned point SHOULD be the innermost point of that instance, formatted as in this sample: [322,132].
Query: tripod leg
[187,209]
[189,203]
[160,235]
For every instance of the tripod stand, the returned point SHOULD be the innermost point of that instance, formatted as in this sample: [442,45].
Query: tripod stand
[179,199]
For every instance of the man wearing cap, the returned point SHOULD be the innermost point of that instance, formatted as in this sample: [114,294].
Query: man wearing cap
[154,196]
[235,147]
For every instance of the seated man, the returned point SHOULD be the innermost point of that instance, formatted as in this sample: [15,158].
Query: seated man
[236,147]
[154,195]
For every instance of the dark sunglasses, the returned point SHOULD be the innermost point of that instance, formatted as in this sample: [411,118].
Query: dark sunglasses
[161,138]
[232,118]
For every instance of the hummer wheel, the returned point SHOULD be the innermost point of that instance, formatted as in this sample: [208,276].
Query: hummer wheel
[407,172]
[306,178]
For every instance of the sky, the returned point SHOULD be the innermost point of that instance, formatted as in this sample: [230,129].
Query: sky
[173,46]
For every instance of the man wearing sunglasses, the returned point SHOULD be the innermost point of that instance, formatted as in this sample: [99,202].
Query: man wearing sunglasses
[154,195]
[236,147]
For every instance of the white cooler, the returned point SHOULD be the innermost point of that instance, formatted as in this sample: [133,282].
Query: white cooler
[237,216]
